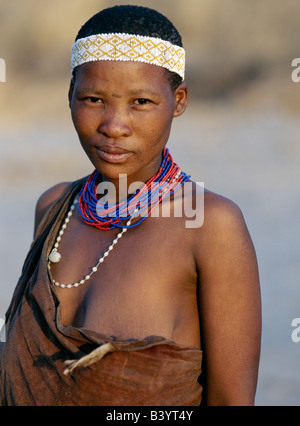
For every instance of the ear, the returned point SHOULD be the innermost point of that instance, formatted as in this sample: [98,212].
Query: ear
[181,99]
[71,90]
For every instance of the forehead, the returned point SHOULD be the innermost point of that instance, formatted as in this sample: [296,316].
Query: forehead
[123,74]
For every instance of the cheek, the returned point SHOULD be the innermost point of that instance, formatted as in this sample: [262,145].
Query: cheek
[160,128]
[159,123]
[77,119]
[83,121]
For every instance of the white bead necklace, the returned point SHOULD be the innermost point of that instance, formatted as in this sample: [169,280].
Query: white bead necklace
[55,256]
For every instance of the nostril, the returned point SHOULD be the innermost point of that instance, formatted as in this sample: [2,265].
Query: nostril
[114,127]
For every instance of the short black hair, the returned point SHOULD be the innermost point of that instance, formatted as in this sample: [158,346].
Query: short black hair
[137,20]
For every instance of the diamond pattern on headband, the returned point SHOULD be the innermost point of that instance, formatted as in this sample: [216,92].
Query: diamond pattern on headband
[129,47]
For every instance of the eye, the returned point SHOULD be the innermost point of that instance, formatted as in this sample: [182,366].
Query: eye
[142,101]
[94,100]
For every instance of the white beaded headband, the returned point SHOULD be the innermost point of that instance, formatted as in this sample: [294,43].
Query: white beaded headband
[129,47]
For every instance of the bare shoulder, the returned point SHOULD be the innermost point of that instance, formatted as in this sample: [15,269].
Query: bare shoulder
[210,211]
[46,199]
[224,229]
[221,212]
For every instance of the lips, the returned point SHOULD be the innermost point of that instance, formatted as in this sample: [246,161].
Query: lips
[113,154]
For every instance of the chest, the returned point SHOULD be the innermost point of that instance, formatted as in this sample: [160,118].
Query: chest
[142,279]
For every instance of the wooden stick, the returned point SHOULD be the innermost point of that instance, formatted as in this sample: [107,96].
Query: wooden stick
[89,359]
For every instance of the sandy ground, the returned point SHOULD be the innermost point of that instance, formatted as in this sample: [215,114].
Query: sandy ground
[250,156]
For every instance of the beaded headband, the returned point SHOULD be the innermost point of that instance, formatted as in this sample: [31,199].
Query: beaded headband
[129,47]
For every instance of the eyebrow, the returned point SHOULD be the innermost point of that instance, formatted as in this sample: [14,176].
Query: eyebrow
[142,92]
[90,90]
[137,92]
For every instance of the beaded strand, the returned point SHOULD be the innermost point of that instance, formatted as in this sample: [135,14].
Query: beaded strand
[55,256]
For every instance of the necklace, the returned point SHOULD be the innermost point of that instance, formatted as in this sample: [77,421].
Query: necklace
[55,256]
[164,183]
[168,179]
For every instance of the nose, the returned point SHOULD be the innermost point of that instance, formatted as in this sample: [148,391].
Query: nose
[114,123]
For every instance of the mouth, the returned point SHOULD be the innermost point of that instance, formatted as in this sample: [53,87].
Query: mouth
[113,154]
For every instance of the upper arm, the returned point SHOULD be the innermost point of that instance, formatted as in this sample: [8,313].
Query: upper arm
[229,305]
[45,201]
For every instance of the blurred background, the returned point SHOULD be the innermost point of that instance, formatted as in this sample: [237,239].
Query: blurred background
[240,135]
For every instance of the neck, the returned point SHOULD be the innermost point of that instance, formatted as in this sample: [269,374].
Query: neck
[125,185]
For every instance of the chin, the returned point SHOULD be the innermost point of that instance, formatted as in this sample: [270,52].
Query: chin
[110,171]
